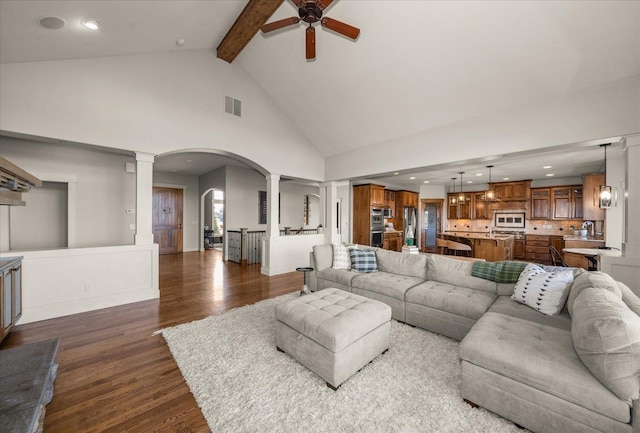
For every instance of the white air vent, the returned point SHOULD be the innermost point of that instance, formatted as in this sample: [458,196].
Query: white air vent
[232,106]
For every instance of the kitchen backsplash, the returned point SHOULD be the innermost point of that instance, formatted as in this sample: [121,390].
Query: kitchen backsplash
[545,227]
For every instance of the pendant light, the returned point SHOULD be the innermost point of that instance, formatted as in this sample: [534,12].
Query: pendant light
[606,194]
[461,198]
[490,193]
[453,200]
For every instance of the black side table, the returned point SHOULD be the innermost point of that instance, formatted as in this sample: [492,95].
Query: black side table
[305,288]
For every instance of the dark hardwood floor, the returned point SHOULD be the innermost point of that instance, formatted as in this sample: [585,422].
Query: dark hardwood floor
[114,375]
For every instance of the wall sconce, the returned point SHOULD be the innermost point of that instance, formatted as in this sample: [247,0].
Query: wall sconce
[607,195]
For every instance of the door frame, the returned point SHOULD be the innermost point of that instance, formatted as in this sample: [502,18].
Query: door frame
[184,191]
[439,202]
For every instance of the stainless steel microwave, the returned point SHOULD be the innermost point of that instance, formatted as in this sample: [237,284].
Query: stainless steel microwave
[388,213]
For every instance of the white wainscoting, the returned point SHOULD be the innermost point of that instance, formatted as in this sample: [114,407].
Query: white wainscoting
[68,281]
[286,253]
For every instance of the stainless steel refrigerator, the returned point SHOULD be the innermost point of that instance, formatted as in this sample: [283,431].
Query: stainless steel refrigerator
[409,224]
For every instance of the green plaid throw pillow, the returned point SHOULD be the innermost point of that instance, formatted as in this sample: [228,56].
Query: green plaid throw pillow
[500,272]
[363,260]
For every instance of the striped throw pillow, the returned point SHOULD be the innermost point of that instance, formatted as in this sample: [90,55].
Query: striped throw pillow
[363,260]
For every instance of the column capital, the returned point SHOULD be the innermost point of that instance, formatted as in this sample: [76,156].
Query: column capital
[632,140]
[273,176]
[145,157]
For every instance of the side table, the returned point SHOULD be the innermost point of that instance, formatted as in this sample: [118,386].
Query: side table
[305,288]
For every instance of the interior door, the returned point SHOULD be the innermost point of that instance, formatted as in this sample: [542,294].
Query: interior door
[431,220]
[167,219]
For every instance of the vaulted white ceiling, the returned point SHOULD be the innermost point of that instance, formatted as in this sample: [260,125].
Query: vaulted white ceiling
[417,65]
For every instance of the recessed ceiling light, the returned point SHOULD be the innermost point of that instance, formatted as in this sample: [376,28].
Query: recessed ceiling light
[181,42]
[426,181]
[412,177]
[396,173]
[90,24]
[546,167]
[550,174]
[505,178]
[52,23]
[188,160]
[469,181]
[478,174]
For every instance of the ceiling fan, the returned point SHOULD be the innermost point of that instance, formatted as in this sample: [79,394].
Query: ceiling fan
[310,11]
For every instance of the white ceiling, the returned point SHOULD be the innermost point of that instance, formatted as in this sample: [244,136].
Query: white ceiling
[417,65]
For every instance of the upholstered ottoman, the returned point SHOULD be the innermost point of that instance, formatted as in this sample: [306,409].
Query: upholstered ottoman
[333,333]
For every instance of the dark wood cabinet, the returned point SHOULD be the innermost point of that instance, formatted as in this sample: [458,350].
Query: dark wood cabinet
[537,248]
[590,194]
[377,195]
[561,197]
[393,241]
[577,202]
[390,199]
[459,209]
[480,207]
[518,249]
[540,203]
[512,191]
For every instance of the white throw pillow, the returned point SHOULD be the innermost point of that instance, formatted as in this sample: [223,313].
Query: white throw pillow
[341,258]
[543,291]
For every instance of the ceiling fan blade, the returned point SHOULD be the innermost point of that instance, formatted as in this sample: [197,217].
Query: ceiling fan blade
[279,24]
[311,43]
[297,3]
[340,27]
[324,4]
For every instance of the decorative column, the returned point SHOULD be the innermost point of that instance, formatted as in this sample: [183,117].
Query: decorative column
[631,244]
[144,198]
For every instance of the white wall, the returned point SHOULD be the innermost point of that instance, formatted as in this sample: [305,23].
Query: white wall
[154,103]
[614,219]
[42,222]
[433,191]
[60,282]
[191,196]
[103,190]
[292,205]
[605,111]
[241,198]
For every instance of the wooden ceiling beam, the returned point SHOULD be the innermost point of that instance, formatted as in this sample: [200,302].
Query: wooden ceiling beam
[252,17]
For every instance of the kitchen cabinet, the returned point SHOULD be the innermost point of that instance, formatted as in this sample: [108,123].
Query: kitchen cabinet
[393,241]
[406,199]
[493,250]
[10,293]
[537,248]
[512,191]
[540,203]
[518,249]
[377,195]
[590,194]
[480,207]
[565,201]
[390,199]
[462,208]
[365,197]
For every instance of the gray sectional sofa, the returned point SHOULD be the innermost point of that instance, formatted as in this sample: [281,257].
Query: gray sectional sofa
[545,373]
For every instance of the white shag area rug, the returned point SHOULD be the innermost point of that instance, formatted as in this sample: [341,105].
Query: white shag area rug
[243,384]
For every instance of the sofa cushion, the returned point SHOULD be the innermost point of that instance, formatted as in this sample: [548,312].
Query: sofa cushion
[452,299]
[545,292]
[629,298]
[591,279]
[386,283]
[456,272]
[341,257]
[606,336]
[363,261]
[413,265]
[341,276]
[540,356]
[323,256]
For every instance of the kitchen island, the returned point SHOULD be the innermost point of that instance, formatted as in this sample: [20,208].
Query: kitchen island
[490,247]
